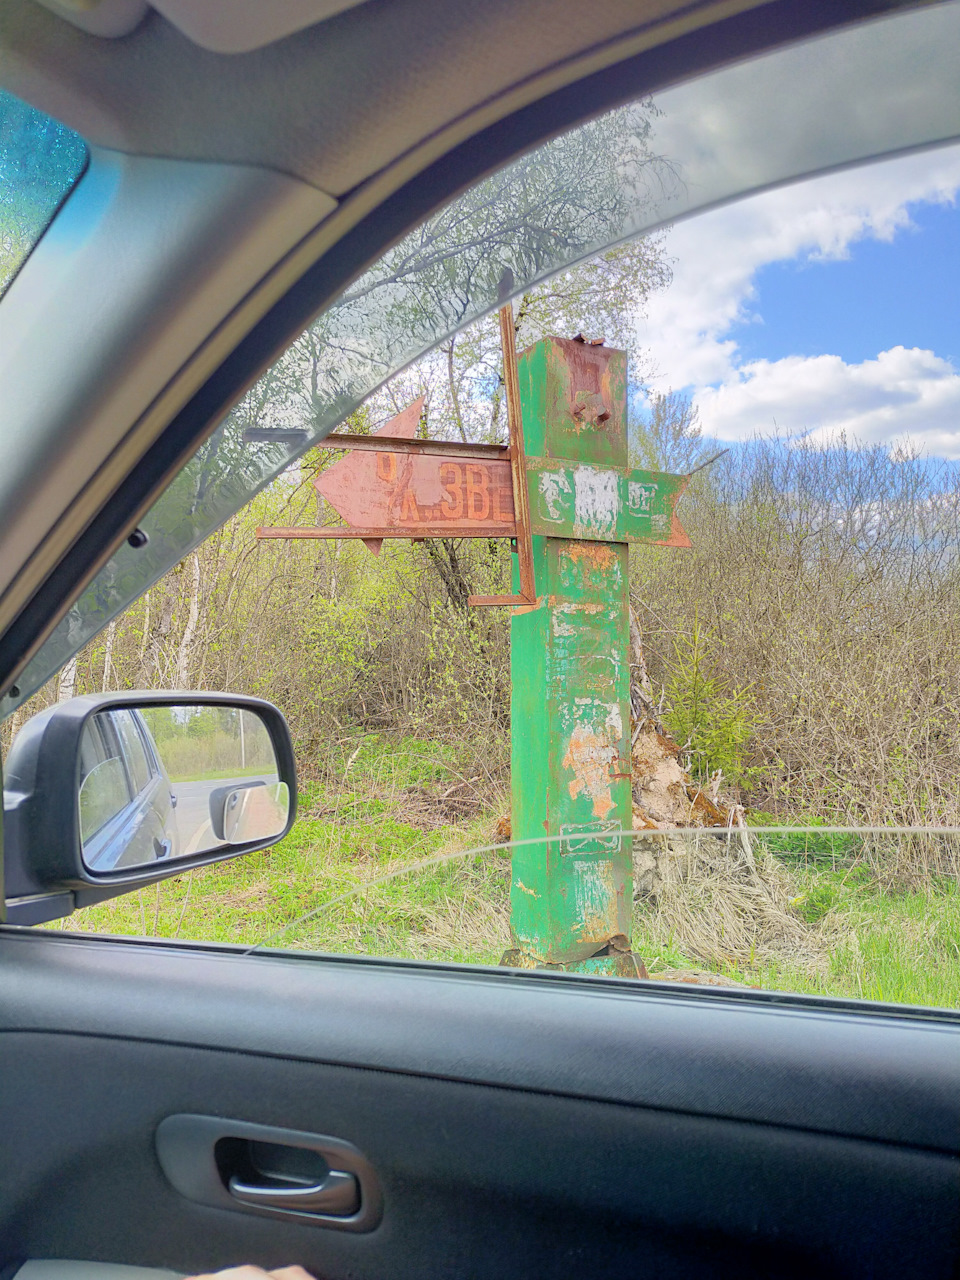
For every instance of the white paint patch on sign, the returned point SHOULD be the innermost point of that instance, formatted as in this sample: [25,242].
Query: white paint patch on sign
[639,497]
[596,501]
[554,486]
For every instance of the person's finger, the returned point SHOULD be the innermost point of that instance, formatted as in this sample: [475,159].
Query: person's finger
[291,1273]
[246,1272]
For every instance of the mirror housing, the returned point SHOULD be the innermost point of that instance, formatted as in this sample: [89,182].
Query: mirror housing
[45,876]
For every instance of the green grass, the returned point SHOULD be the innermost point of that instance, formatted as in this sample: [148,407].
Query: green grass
[312,891]
[900,947]
[809,848]
[338,881]
[342,882]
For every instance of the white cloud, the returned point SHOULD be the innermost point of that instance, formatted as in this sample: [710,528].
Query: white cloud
[902,393]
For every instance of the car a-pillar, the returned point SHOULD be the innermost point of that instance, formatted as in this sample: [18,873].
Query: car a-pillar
[571,895]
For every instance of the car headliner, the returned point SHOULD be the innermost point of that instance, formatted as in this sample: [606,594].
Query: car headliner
[317,152]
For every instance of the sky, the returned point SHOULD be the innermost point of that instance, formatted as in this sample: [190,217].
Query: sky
[825,307]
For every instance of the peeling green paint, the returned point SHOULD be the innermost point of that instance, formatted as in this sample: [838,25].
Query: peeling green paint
[607,504]
[571,897]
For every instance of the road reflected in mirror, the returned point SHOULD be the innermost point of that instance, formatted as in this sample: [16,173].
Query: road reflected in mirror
[167,782]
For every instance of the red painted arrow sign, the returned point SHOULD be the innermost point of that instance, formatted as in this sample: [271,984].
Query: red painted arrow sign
[437,489]
[416,494]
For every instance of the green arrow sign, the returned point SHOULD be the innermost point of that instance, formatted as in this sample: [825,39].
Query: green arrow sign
[604,504]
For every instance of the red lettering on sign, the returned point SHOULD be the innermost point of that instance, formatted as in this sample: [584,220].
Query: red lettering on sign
[451,481]
[409,509]
[387,467]
[478,492]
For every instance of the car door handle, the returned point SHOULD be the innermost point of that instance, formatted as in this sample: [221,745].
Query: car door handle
[288,1174]
[338,1193]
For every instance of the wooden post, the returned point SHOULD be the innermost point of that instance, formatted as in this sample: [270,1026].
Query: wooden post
[572,897]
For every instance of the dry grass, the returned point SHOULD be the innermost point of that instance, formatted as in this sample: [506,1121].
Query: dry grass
[716,898]
[471,920]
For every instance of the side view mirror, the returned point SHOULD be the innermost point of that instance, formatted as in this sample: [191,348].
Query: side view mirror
[106,793]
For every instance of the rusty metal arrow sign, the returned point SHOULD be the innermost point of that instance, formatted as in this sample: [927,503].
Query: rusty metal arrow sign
[398,492]
[441,490]
[415,495]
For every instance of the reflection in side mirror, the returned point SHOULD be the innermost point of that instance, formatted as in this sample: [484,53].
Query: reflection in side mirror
[255,811]
[167,782]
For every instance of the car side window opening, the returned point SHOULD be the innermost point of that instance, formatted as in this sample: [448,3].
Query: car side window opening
[154,769]
[792,750]
[744,128]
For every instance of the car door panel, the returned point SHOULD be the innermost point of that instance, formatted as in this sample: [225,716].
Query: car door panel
[606,1140]
[848,1067]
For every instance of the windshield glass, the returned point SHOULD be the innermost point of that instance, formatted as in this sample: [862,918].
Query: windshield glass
[872,90]
[40,160]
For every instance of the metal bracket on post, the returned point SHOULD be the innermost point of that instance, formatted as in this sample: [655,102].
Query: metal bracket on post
[518,472]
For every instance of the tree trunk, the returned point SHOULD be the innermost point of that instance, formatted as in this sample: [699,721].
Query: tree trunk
[67,681]
[155,674]
[108,655]
[145,633]
[185,650]
[443,554]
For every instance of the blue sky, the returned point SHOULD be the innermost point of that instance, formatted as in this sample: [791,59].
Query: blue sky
[904,291]
[828,306]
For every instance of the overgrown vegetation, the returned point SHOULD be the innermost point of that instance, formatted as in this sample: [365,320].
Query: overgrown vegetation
[806,647]
[374,867]
[808,640]
[804,653]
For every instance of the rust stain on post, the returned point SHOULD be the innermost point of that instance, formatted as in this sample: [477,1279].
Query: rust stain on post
[596,554]
[570,701]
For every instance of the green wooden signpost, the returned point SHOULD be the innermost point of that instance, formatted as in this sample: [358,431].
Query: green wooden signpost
[571,897]
[563,489]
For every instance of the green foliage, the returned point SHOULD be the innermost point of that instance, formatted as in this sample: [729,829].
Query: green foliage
[900,947]
[405,762]
[711,719]
[810,846]
[355,877]
[668,436]
[817,901]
